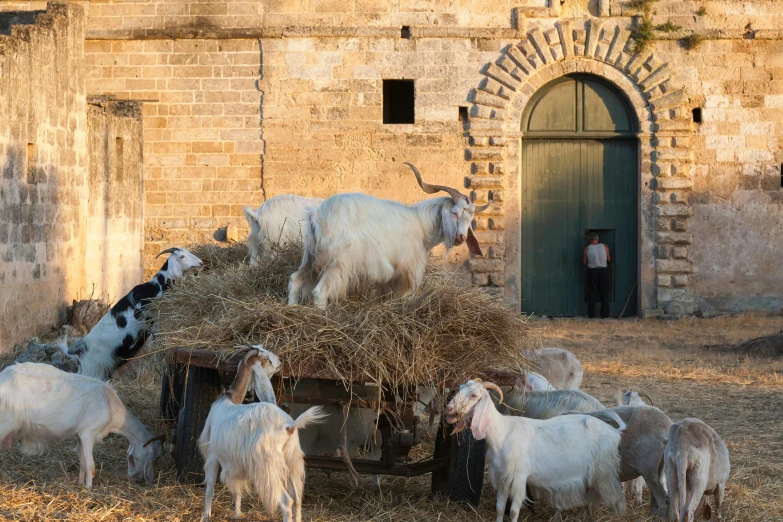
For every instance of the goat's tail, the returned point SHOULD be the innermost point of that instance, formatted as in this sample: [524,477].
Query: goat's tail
[620,424]
[313,415]
[682,484]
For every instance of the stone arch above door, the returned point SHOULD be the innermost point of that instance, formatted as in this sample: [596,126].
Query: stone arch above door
[603,48]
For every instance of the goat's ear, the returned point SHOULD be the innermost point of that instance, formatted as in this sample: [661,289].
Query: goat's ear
[149,470]
[174,268]
[522,383]
[252,218]
[448,224]
[473,244]
[481,417]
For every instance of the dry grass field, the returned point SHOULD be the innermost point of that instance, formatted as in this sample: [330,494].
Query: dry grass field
[740,396]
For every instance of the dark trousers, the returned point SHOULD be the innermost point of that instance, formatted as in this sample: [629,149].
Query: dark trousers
[598,289]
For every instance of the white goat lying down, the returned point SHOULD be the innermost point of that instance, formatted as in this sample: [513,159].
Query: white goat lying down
[255,445]
[281,219]
[547,404]
[560,367]
[641,449]
[696,463]
[570,461]
[40,404]
[356,237]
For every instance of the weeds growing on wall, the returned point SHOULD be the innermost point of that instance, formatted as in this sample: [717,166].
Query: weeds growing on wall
[702,11]
[668,27]
[642,34]
[692,41]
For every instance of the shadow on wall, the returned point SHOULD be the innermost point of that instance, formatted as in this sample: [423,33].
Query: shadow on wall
[35,246]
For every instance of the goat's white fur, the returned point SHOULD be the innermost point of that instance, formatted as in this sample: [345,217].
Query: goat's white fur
[353,238]
[560,367]
[40,404]
[548,404]
[256,445]
[281,219]
[571,461]
[696,464]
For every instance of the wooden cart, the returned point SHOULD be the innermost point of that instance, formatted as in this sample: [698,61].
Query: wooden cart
[195,378]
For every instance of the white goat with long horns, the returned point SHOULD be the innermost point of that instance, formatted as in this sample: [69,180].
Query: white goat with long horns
[356,237]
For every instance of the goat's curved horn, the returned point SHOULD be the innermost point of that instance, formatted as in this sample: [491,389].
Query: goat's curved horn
[161,438]
[493,386]
[455,194]
[167,251]
[642,394]
[482,208]
[250,353]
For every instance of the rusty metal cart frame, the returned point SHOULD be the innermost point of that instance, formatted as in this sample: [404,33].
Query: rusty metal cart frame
[195,378]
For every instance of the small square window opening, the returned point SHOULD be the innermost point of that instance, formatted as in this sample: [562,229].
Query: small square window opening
[696,115]
[463,113]
[398,101]
[405,32]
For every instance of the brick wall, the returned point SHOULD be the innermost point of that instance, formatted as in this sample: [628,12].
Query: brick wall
[54,197]
[253,99]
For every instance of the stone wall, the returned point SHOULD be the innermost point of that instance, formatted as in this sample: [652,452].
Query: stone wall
[115,226]
[253,99]
[49,204]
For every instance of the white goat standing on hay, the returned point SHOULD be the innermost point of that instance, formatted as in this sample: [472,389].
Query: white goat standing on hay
[40,404]
[571,461]
[356,237]
[255,443]
[281,219]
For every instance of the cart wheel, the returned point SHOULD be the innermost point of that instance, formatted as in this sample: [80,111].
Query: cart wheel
[171,387]
[463,479]
[201,387]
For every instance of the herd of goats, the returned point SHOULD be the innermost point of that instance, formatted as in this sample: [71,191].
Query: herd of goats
[547,440]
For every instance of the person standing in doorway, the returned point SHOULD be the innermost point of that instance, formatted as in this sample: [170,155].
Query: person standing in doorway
[596,259]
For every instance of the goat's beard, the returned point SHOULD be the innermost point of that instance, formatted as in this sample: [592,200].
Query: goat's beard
[460,425]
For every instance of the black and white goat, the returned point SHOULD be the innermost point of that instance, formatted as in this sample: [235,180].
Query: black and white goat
[40,404]
[122,332]
[356,237]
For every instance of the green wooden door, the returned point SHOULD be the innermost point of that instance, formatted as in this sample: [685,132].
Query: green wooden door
[579,174]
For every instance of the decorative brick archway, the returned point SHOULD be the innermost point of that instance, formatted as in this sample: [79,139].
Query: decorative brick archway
[603,48]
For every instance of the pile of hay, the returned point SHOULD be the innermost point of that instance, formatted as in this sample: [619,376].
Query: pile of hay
[767,345]
[445,333]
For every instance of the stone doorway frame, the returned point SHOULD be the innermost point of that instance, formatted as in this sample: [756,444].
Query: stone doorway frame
[602,48]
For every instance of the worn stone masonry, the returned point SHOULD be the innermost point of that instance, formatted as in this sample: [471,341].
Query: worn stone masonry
[70,194]
[244,100]
[603,48]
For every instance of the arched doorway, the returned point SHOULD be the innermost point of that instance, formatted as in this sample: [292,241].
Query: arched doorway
[580,173]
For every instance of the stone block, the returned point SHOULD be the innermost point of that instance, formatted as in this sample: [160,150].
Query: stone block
[680,280]
[664,280]
[668,266]
[680,252]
